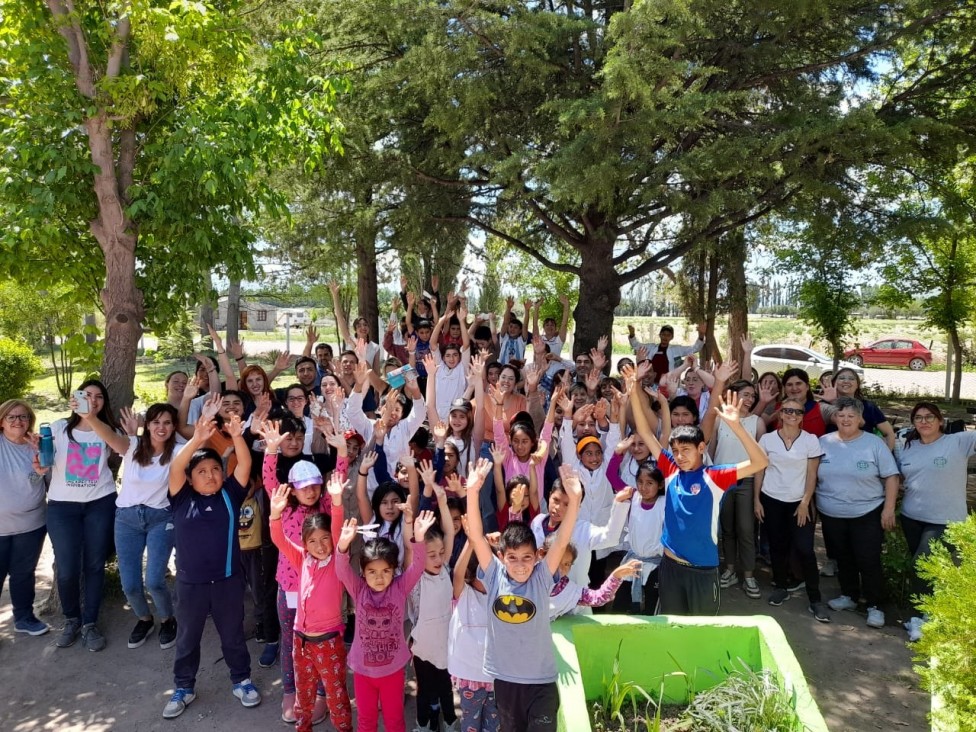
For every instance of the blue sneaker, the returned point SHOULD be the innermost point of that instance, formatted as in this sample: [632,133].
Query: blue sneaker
[269,655]
[247,693]
[31,626]
[181,699]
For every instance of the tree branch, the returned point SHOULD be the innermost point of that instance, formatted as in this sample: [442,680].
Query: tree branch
[120,46]
[69,27]
[515,242]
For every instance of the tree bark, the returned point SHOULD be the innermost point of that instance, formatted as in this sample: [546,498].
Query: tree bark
[599,294]
[233,311]
[957,366]
[734,252]
[710,350]
[368,297]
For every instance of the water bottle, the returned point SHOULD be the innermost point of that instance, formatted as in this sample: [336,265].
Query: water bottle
[45,452]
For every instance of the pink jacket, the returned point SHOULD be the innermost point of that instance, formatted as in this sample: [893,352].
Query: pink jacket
[319,590]
[513,466]
[293,518]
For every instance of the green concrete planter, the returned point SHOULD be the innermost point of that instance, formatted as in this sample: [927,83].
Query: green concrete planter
[654,647]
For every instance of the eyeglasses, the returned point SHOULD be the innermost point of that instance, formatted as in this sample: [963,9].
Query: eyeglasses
[791,410]
[295,399]
[845,378]
[18,418]
[926,418]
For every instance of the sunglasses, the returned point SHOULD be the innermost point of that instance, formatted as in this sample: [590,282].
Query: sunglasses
[791,410]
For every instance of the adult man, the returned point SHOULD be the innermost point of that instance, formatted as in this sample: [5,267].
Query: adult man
[665,356]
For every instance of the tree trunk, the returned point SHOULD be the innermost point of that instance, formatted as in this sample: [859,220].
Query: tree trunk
[957,366]
[207,310]
[368,297]
[90,335]
[710,351]
[734,252]
[599,295]
[233,311]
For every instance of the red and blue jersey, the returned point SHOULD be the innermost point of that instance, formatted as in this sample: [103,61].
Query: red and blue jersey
[693,499]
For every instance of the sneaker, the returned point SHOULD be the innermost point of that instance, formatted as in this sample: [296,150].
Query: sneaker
[269,655]
[177,704]
[819,612]
[842,603]
[92,638]
[778,597]
[167,633]
[454,726]
[320,712]
[31,626]
[288,708]
[751,588]
[728,579]
[795,585]
[69,633]
[247,693]
[876,618]
[914,628]
[829,568]
[143,629]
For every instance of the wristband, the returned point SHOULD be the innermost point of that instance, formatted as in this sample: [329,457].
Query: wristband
[239,358]
[221,353]
[361,473]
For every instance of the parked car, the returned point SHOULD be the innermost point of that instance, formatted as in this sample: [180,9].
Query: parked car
[781,356]
[891,352]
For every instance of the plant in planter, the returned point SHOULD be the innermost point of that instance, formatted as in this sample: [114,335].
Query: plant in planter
[946,654]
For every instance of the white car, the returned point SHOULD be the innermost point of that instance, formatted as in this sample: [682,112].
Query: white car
[778,357]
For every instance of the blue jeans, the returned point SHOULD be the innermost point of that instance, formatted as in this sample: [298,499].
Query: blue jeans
[81,534]
[143,530]
[18,559]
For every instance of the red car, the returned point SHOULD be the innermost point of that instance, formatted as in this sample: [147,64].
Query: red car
[891,352]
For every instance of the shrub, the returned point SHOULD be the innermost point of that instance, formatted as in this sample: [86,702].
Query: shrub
[947,650]
[18,367]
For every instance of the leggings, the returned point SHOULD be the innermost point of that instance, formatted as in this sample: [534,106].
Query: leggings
[372,693]
[434,695]
[788,539]
[856,545]
[317,663]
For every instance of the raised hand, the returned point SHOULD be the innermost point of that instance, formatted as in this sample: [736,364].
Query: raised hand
[599,357]
[593,380]
[456,487]
[643,370]
[600,410]
[361,374]
[412,344]
[338,442]
[540,454]
[630,332]
[477,366]
[746,342]
[335,486]
[571,482]
[311,334]
[726,371]
[430,363]
[368,461]
[517,497]
[129,421]
[496,394]
[424,521]
[624,495]
[477,472]
[323,424]
[440,434]
[347,534]
[564,300]
[628,570]
[361,346]
[538,346]
[218,343]
[498,454]
[671,386]
[624,445]
[428,474]
[768,392]
[236,349]
[642,354]
[233,426]
[272,437]
[203,430]
[282,362]
[262,407]
[532,374]
[279,501]
[728,408]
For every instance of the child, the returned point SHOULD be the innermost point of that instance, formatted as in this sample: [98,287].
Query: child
[566,595]
[515,501]
[209,581]
[645,524]
[320,654]
[379,651]
[518,652]
[466,646]
[429,610]
[689,569]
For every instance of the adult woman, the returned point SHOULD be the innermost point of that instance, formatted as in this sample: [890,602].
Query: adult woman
[796,385]
[81,515]
[848,384]
[22,511]
[255,383]
[934,467]
[857,484]
[143,517]
[784,491]
[176,383]
[511,402]
[359,325]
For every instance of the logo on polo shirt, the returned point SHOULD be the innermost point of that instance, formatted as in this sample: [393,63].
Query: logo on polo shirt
[695,489]
[863,465]
[513,609]
[940,462]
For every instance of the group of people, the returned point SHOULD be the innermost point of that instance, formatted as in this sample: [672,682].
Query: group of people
[435,501]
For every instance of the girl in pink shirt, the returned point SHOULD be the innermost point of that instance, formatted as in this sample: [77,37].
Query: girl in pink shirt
[319,653]
[379,650]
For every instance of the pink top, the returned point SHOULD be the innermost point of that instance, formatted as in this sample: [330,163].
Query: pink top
[319,591]
[293,517]
[513,466]
[379,647]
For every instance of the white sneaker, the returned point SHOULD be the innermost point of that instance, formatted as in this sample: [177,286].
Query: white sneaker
[876,618]
[843,603]
[728,579]
[829,569]
[751,587]
[914,628]
[454,726]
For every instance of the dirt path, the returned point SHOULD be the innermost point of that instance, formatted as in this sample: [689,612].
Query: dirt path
[861,678]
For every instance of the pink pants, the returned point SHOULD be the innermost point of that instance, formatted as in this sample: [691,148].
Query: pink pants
[384,692]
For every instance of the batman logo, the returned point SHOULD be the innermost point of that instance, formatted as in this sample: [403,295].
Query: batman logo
[513,609]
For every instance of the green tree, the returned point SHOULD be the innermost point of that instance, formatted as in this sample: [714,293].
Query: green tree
[136,145]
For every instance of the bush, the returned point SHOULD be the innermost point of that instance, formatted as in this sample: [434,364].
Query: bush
[18,367]
[947,650]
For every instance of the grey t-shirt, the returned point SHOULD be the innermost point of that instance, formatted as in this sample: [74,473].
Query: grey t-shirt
[935,478]
[519,647]
[22,502]
[850,480]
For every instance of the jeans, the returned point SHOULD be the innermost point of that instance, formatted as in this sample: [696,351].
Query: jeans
[81,535]
[856,545]
[920,537]
[739,526]
[143,530]
[18,560]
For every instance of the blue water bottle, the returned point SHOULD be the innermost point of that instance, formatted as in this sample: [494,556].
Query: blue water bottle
[45,452]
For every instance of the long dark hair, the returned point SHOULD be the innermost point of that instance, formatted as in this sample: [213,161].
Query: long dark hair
[381,492]
[105,414]
[143,454]
[913,433]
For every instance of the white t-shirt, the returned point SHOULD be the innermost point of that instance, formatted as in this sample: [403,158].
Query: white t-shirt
[785,478]
[80,473]
[467,636]
[451,384]
[729,449]
[144,485]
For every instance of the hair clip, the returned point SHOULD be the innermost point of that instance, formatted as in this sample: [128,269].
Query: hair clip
[368,531]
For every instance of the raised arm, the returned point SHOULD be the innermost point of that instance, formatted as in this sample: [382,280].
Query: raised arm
[641,423]
[462,562]
[362,496]
[119,443]
[341,322]
[202,431]
[476,532]
[222,359]
[574,490]
[564,325]
[311,335]
[728,410]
